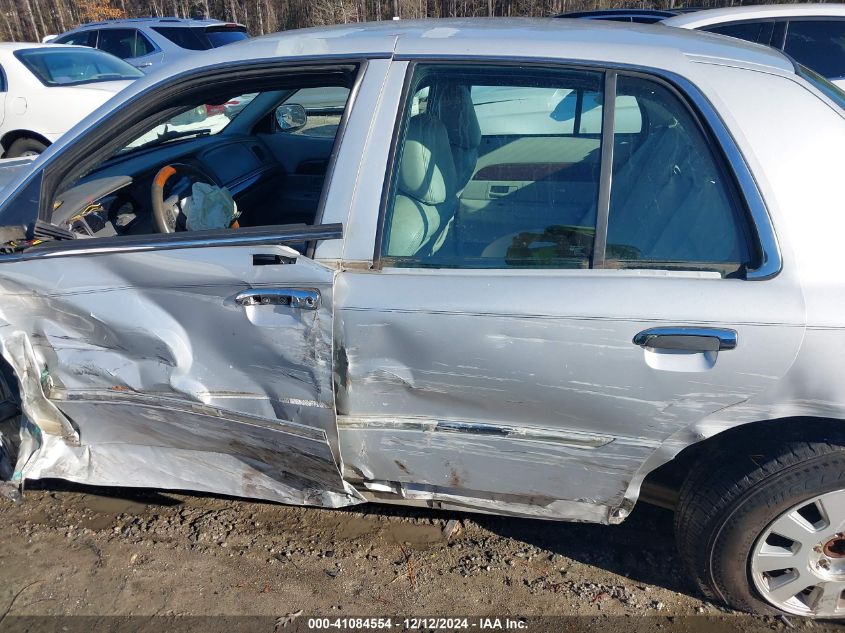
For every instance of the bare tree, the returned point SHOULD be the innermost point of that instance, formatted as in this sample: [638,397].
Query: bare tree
[30,19]
[25,11]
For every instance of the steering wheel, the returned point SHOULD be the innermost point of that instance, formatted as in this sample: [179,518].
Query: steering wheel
[167,213]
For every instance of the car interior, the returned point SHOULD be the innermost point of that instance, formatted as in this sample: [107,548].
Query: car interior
[505,173]
[494,171]
[232,160]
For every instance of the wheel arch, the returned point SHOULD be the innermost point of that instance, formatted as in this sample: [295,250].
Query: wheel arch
[13,135]
[661,476]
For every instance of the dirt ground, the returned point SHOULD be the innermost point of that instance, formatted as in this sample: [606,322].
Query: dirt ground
[72,552]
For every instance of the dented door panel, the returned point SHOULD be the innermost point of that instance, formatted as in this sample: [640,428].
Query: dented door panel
[512,370]
[150,353]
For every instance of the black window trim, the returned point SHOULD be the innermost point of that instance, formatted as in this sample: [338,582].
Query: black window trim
[728,156]
[813,18]
[608,112]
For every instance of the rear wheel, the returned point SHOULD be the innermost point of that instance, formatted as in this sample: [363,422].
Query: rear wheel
[25,147]
[764,529]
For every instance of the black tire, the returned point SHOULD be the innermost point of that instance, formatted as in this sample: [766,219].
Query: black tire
[730,498]
[25,147]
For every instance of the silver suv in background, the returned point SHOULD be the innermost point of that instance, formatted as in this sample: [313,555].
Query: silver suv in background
[812,34]
[147,43]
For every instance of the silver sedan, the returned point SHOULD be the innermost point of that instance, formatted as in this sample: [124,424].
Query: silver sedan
[533,268]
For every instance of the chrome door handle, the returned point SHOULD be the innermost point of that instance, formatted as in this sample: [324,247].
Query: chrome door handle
[144,65]
[695,339]
[302,299]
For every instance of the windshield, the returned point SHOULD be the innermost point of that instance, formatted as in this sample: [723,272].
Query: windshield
[60,66]
[829,89]
[202,120]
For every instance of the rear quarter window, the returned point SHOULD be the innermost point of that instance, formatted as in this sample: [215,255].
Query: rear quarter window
[201,38]
[183,37]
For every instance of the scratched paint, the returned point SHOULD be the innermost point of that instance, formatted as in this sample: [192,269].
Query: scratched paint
[141,369]
[530,349]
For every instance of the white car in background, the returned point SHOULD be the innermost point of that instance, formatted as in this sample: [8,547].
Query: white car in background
[812,34]
[46,90]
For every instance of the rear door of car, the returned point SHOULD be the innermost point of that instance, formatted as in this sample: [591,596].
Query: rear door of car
[536,370]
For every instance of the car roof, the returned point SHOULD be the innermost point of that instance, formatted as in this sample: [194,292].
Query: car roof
[599,13]
[8,47]
[507,38]
[731,14]
[153,21]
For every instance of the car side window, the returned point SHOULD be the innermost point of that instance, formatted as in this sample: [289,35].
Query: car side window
[323,108]
[750,31]
[143,46]
[118,42]
[83,38]
[496,168]
[819,45]
[3,86]
[500,168]
[217,159]
[183,37]
[672,203]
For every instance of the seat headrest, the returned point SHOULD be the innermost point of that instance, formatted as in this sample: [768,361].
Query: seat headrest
[457,112]
[427,170]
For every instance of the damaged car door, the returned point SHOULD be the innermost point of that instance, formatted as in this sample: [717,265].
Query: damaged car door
[198,360]
[184,368]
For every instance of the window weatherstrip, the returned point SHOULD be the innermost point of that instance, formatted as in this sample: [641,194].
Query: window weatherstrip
[606,171]
[579,106]
[250,236]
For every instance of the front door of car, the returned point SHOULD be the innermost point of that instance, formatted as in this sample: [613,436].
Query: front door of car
[494,357]
[194,368]
[197,360]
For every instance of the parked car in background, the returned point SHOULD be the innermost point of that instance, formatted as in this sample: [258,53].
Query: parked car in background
[46,90]
[812,34]
[412,295]
[150,42]
[640,16]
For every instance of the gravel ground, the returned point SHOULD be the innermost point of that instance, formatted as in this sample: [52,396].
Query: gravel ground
[74,551]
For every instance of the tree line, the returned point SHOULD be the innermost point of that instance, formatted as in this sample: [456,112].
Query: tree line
[31,20]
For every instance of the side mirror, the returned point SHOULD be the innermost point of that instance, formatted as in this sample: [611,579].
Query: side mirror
[291,117]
